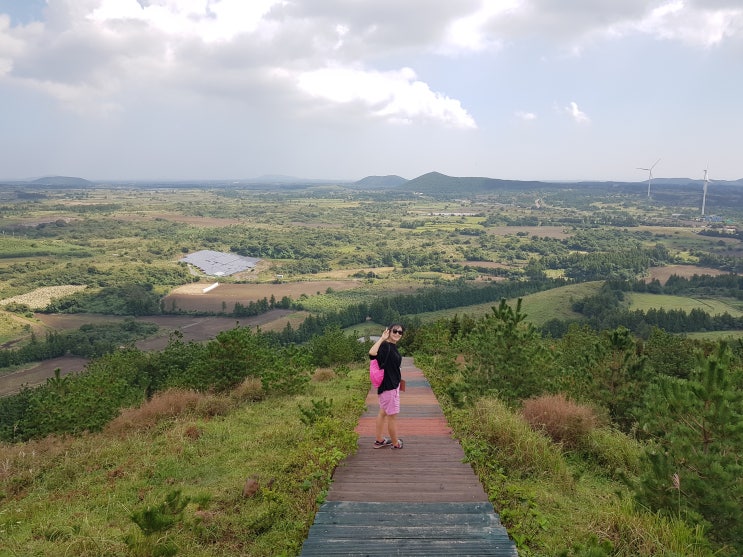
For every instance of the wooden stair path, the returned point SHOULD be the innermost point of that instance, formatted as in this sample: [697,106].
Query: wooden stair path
[421,500]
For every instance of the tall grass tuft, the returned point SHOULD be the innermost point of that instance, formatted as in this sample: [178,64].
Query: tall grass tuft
[615,452]
[520,450]
[323,374]
[163,405]
[634,531]
[250,390]
[565,421]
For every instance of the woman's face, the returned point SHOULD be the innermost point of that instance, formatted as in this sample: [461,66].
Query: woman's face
[396,332]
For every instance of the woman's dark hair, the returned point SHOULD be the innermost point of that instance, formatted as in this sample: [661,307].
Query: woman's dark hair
[392,325]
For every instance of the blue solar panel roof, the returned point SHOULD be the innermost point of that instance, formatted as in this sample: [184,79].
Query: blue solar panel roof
[220,264]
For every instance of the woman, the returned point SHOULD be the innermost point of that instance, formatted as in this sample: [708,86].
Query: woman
[385,351]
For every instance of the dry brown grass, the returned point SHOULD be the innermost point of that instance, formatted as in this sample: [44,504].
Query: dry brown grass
[662,274]
[563,420]
[323,374]
[168,404]
[250,390]
[21,464]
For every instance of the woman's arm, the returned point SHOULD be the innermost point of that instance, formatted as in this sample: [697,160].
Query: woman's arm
[374,350]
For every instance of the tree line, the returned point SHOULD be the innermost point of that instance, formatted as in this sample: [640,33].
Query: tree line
[605,309]
[89,341]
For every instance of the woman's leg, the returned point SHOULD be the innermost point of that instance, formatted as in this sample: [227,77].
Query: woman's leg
[392,428]
[380,424]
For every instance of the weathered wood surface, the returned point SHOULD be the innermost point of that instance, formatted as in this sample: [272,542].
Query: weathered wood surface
[421,500]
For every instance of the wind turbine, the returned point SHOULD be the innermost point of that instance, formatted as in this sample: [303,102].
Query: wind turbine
[704,195]
[650,174]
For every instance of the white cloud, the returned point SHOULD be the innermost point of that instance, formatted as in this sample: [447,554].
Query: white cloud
[472,32]
[574,26]
[578,116]
[679,20]
[397,96]
[7,46]
[525,116]
[209,20]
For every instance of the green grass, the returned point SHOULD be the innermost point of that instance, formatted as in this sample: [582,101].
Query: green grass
[370,328]
[539,308]
[556,303]
[22,248]
[716,335]
[76,496]
[11,327]
[713,306]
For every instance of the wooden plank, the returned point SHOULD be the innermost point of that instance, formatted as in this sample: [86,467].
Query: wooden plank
[421,509]
[499,547]
[444,517]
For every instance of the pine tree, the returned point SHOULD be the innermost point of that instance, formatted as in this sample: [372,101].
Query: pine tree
[506,355]
[696,464]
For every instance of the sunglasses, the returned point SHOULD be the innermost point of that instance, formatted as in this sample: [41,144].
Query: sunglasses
[397,331]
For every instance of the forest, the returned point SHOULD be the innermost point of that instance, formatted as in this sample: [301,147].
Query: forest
[634,387]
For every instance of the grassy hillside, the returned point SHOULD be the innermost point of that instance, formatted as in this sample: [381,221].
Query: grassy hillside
[249,472]
[216,476]
[539,307]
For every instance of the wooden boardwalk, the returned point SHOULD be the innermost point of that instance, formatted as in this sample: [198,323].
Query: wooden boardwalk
[422,500]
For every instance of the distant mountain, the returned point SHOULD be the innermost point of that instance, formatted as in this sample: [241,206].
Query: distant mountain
[436,183]
[62,182]
[380,182]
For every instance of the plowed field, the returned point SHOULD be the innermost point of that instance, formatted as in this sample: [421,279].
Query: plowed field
[191,297]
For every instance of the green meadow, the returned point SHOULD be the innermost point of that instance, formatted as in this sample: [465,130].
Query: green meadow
[539,308]
[712,306]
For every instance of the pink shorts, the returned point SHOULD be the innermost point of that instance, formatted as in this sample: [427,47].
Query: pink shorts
[389,401]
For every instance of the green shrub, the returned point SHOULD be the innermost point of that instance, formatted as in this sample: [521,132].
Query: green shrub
[154,522]
[614,451]
[519,450]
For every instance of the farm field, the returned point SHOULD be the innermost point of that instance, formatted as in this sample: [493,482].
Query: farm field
[193,328]
[334,246]
[556,303]
[687,238]
[41,297]
[713,306]
[662,274]
[559,232]
[223,298]
[35,375]
[14,327]
[716,335]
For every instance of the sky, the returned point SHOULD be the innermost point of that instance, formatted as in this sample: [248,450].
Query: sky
[343,89]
